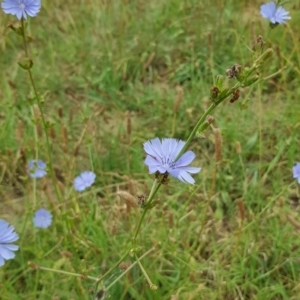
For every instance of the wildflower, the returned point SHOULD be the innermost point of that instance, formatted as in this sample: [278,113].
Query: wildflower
[161,157]
[37,168]
[21,8]
[42,218]
[84,180]
[7,236]
[274,14]
[296,172]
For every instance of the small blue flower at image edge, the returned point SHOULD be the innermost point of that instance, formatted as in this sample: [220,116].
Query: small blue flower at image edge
[42,218]
[296,172]
[21,8]
[37,168]
[161,157]
[274,14]
[84,180]
[7,236]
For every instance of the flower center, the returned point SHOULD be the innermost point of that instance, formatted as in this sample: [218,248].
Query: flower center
[167,162]
[21,5]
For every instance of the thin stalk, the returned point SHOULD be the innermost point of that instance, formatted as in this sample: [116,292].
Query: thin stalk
[34,193]
[109,271]
[154,190]
[62,272]
[38,101]
[194,131]
[152,286]
[128,269]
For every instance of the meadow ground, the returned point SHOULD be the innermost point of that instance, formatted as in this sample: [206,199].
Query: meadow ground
[114,74]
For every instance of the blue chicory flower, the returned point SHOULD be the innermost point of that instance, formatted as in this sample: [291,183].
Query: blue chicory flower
[21,8]
[274,14]
[42,218]
[37,168]
[296,172]
[161,157]
[7,236]
[84,180]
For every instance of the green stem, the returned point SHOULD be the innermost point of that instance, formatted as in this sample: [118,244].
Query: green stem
[157,185]
[152,286]
[24,37]
[128,269]
[109,271]
[42,116]
[194,131]
[229,92]
[154,190]
[202,119]
[62,272]
[34,193]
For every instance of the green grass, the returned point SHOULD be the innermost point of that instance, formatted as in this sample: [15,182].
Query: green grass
[109,72]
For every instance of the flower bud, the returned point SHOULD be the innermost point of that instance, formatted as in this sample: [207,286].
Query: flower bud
[236,71]
[258,44]
[235,96]
[17,28]
[264,57]
[209,120]
[26,63]
[214,92]
[219,82]
[252,80]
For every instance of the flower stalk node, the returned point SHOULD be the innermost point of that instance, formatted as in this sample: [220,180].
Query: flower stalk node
[17,28]
[33,265]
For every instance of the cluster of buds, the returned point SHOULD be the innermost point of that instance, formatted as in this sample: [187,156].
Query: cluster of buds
[219,90]
[244,76]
